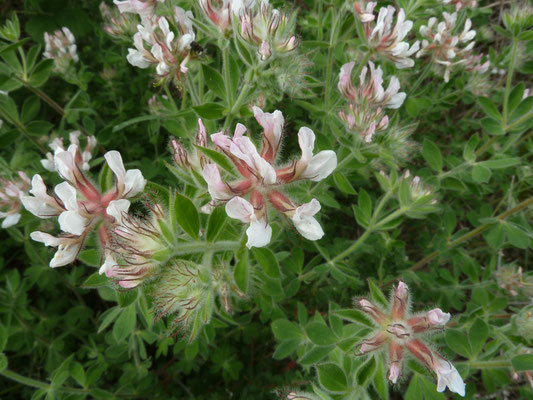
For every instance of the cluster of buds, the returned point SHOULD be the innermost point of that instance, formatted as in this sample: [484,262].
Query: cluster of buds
[268,29]
[137,247]
[460,4]
[400,332]
[447,49]
[186,159]
[79,205]
[184,290]
[511,279]
[144,8]
[156,44]
[117,24]
[223,15]
[384,38]
[523,322]
[10,193]
[61,47]
[262,180]
[367,102]
[82,157]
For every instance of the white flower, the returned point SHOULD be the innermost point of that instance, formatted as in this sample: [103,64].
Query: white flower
[40,204]
[447,375]
[437,317]
[318,166]
[305,222]
[9,219]
[70,221]
[259,232]
[218,190]
[130,182]
[67,248]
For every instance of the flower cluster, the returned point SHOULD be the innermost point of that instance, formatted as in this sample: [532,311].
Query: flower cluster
[61,47]
[400,332]
[460,4]
[10,193]
[78,204]
[144,8]
[262,180]
[117,24]
[268,29]
[157,44]
[364,10]
[82,157]
[223,15]
[138,242]
[386,39]
[367,102]
[450,50]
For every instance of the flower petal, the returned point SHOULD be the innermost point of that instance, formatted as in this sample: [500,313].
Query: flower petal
[259,233]
[72,222]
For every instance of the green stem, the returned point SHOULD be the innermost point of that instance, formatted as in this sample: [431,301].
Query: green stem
[466,237]
[489,364]
[40,385]
[353,247]
[22,130]
[202,247]
[225,65]
[519,121]
[509,81]
[329,67]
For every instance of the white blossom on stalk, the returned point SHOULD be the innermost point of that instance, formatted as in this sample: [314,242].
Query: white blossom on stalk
[364,10]
[60,46]
[388,40]
[157,44]
[224,13]
[10,194]
[78,204]
[460,4]
[448,49]
[368,100]
[270,30]
[82,156]
[144,8]
[262,179]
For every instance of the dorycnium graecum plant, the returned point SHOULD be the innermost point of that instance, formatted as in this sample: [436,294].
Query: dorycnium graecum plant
[252,199]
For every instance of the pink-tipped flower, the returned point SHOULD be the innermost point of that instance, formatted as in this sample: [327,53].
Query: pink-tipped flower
[78,204]
[60,46]
[143,8]
[10,193]
[81,157]
[368,100]
[448,49]
[460,4]
[262,179]
[364,10]
[270,30]
[157,44]
[400,332]
[387,39]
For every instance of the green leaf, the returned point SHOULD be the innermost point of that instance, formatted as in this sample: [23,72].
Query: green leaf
[432,155]
[12,46]
[366,372]
[3,362]
[210,110]
[77,372]
[108,317]
[135,120]
[500,163]
[95,280]
[3,337]
[320,334]
[458,342]
[39,128]
[380,379]
[214,81]
[343,183]
[404,193]
[332,378]
[125,324]
[516,235]
[377,294]
[90,257]
[490,108]
[315,355]
[220,159]
[286,348]
[241,272]
[365,203]
[355,316]
[30,109]
[477,336]
[284,329]
[217,221]
[9,107]
[470,148]
[267,261]
[522,362]
[481,174]
[127,297]
[492,126]
[515,97]
[41,73]
[186,215]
